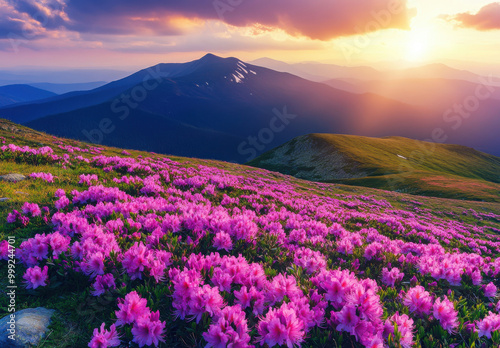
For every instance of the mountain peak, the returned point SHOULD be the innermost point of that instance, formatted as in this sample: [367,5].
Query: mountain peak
[210,57]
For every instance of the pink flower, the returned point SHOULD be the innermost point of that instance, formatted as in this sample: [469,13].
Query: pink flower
[281,326]
[488,325]
[372,250]
[390,278]
[348,319]
[148,330]
[246,296]
[31,208]
[59,193]
[59,243]
[39,246]
[223,240]
[12,217]
[87,179]
[61,203]
[405,328]
[310,260]
[135,260]
[48,177]
[490,290]
[103,338]
[444,311]
[4,250]
[205,299]
[36,277]
[418,300]
[24,220]
[157,269]
[229,329]
[282,286]
[132,308]
[376,342]
[222,279]
[102,283]
[216,337]
[94,265]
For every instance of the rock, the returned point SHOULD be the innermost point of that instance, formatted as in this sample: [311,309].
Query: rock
[21,193]
[4,199]
[31,326]
[12,177]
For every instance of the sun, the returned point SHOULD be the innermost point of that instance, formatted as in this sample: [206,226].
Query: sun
[418,45]
[416,51]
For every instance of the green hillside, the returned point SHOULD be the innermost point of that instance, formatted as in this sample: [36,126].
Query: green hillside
[357,209]
[391,163]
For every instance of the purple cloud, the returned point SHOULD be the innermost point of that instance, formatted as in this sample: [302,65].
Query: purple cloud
[316,19]
[488,18]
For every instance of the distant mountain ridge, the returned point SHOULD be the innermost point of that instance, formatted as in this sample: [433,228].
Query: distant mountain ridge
[223,108]
[320,72]
[61,88]
[12,94]
[211,108]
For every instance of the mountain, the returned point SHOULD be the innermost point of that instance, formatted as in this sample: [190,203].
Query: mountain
[392,163]
[222,96]
[319,71]
[467,111]
[429,93]
[12,94]
[30,75]
[61,88]
[434,71]
[323,72]
[286,67]
[242,108]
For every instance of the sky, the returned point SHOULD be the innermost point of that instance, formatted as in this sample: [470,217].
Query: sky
[132,33]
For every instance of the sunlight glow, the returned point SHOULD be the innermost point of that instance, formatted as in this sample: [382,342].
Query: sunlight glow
[418,46]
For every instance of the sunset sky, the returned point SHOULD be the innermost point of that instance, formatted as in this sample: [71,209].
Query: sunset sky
[131,33]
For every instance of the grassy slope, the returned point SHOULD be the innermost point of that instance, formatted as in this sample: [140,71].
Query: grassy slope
[439,170]
[77,312]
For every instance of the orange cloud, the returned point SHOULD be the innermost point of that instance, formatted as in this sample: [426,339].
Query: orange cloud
[315,19]
[488,18]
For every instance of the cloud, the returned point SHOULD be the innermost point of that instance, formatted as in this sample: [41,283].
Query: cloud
[316,19]
[15,25]
[488,18]
[49,14]
[10,27]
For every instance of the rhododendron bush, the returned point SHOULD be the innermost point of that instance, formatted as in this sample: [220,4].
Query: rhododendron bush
[184,254]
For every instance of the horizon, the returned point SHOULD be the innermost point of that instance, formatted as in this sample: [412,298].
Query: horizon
[119,72]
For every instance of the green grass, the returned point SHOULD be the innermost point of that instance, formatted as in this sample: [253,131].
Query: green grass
[437,170]
[77,313]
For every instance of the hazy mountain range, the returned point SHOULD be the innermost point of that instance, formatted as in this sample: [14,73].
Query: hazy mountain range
[13,94]
[223,108]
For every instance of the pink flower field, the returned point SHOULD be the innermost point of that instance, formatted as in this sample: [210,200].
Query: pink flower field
[184,254]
